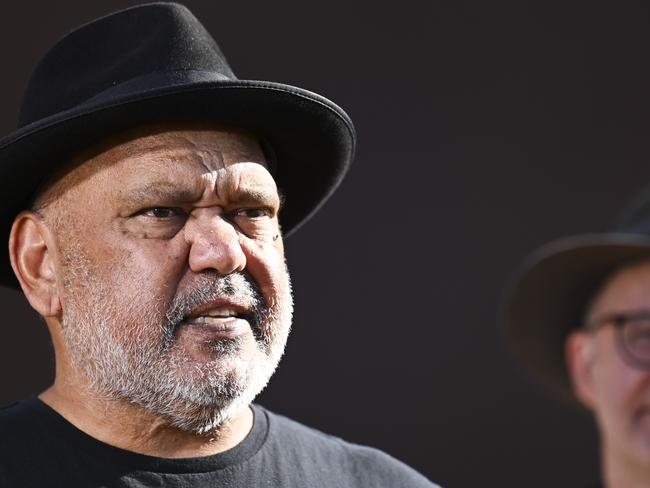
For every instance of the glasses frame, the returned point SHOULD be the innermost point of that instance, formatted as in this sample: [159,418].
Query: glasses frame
[619,320]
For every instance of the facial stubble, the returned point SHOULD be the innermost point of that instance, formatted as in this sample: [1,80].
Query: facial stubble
[126,348]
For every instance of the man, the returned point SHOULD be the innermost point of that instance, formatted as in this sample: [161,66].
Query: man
[143,201]
[578,316]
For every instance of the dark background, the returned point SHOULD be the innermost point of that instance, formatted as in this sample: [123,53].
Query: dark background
[485,129]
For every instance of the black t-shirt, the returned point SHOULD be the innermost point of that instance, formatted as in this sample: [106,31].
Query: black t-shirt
[39,448]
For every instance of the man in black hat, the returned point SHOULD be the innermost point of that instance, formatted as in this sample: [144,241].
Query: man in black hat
[143,200]
[578,316]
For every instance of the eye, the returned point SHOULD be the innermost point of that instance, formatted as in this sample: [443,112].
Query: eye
[638,330]
[253,213]
[156,222]
[162,212]
[254,222]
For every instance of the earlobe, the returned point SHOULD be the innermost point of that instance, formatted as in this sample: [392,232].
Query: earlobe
[579,354]
[30,251]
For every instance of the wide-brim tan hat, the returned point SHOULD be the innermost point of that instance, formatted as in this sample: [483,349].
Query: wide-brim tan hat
[547,296]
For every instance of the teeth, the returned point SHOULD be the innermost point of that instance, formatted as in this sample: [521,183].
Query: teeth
[220,314]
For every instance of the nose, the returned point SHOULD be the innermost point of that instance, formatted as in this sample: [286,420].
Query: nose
[214,243]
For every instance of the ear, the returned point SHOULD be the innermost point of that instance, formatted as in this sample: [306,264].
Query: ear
[31,250]
[579,355]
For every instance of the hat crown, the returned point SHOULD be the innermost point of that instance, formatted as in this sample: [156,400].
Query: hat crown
[635,216]
[121,47]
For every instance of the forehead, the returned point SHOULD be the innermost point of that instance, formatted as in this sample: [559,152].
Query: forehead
[625,289]
[209,148]
[163,152]
[212,148]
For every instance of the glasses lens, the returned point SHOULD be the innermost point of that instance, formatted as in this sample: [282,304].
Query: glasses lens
[636,338]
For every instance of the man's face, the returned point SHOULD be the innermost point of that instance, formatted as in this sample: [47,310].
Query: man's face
[174,290]
[604,379]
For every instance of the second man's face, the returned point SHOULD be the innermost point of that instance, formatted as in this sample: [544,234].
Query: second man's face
[615,388]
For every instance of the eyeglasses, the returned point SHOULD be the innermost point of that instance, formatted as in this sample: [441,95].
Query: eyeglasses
[632,332]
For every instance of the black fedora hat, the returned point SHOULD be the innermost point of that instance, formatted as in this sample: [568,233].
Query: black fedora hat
[156,62]
[548,295]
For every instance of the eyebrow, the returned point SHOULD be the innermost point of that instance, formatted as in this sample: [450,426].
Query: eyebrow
[163,191]
[255,195]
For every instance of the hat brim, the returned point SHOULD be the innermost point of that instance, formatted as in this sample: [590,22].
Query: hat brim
[547,297]
[312,139]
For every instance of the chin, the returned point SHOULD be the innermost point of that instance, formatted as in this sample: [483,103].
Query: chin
[204,419]
[200,397]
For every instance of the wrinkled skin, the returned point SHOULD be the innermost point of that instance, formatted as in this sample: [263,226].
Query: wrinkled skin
[169,285]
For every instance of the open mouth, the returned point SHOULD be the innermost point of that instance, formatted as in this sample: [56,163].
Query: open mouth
[218,320]
[216,317]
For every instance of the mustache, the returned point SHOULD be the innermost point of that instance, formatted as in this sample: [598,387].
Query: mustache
[210,286]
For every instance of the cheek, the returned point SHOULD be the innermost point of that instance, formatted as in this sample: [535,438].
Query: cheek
[265,263]
[621,390]
[148,269]
[614,382]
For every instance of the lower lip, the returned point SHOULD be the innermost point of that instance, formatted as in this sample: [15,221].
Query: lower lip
[218,328]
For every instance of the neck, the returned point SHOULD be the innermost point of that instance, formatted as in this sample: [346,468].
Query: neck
[621,470]
[130,427]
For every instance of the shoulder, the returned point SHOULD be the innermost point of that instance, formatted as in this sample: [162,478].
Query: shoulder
[366,465]
[23,427]
[16,419]
[20,439]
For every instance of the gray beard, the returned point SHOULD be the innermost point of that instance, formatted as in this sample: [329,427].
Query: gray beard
[140,367]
